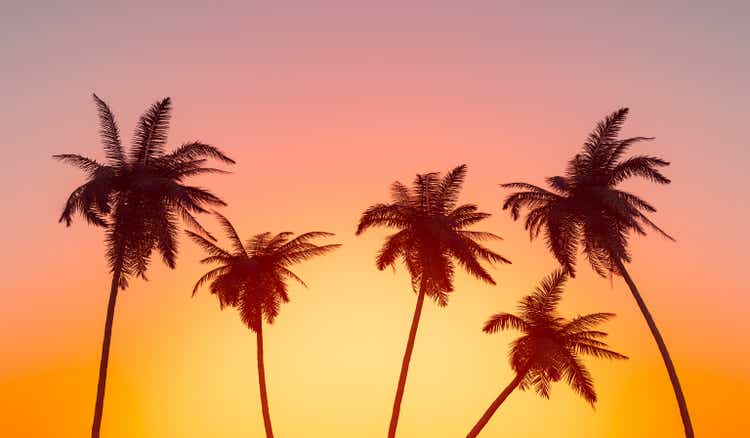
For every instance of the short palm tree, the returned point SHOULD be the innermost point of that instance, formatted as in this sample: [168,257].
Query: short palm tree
[252,277]
[432,237]
[139,198]
[551,346]
[585,208]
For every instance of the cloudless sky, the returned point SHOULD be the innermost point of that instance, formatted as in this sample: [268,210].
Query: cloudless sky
[323,105]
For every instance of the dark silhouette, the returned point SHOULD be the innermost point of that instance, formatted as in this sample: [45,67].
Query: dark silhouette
[431,236]
[252,277]
[139,198]
[585,208]
[551,346]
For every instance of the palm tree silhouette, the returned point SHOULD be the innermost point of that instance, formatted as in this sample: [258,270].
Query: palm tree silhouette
[431,237]
[551,346]
[253,278]
[139,198]
[585,208]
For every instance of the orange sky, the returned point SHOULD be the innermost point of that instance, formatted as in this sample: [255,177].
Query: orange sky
[323,107]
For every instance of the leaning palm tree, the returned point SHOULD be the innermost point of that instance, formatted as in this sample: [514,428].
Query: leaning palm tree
[252,277]
[551,346]
[138,197]
[585,208]
[432,236]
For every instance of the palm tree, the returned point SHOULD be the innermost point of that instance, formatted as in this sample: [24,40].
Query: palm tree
[139,198]
[252,277]
[431,238]
[551,346]
[585,208]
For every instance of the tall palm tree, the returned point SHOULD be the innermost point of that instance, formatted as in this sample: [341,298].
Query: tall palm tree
[551,346]
[432,237]
[252,277]
[138,197]
[585,208]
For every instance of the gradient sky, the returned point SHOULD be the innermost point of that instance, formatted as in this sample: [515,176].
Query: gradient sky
[324,105]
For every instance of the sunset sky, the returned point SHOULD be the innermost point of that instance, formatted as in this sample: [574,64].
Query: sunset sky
[323,105]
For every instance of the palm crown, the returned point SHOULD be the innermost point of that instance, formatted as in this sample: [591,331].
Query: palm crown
[551,346]
[585,206]
[140,196]
[252,276]
[432,233]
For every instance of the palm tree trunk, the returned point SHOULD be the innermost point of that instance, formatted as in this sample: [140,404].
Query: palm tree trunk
[262,382]
[664,353]
[405,364]
[496,404]
[99,407]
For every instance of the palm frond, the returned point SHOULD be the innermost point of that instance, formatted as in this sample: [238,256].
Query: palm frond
[197,150]
[478,235]
[88,165]
[466,255]
[562,237]
[439,295]
[305,238]
[289,274]
[166,233]
[541,384]
[255,246]
[531,199]
[580,380]
[213,259]
[560,184]
[503,321]
[208,246]
[480,252]
[278,241]
[109,132]
[587,322]
[604,136]
[89,200]
[192,198]
[633,201]
[542,304]
[395,246]
[231,233]
[526,187]
[297,256]
[536,220]
[642,217]
[641,165]
[401,194]
[191,222]
[450,187]
[386,215]
[621,147]
[465,216]
[425,190]
[596,351]
[186,173]
[151,132]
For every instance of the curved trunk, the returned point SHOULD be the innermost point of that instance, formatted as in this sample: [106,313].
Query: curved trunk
[496,404]
[405,365]
[664,353]
[99,407]
[262,382]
